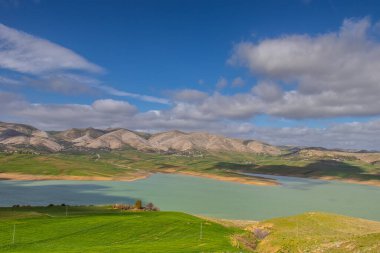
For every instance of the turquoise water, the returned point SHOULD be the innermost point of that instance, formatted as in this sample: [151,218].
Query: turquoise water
[205,196]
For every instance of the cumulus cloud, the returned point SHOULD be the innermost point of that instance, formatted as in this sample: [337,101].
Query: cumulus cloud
[335,74]
[114,106]
[268,91]
[26,53]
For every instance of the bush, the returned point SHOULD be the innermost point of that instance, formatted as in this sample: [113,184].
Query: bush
[151,207]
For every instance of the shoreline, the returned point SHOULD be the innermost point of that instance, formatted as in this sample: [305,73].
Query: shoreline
[31,177]
[250,180]
[351,181]
[328,178]
[241,180]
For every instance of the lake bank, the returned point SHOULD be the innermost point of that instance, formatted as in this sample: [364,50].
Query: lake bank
[245,178]
[255,180]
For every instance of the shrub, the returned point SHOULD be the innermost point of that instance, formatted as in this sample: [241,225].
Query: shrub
[151,207]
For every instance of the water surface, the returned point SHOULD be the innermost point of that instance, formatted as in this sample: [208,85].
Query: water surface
[205,196]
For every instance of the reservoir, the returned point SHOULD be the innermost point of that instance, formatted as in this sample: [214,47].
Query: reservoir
[204,196]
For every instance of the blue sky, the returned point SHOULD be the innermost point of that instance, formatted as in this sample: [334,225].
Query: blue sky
[286,72]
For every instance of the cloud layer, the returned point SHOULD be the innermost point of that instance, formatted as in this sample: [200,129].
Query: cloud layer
[113,113]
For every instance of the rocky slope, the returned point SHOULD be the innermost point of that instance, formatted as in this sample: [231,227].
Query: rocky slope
[180,141]
[23,136]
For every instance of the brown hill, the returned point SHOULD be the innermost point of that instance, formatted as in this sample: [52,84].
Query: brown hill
[20,135]
[118,139]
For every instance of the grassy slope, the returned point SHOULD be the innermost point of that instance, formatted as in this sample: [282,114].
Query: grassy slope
[97,229]
[320,232]
[130,162]
[100,229]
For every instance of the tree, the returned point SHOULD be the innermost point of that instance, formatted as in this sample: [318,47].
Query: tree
[138,204]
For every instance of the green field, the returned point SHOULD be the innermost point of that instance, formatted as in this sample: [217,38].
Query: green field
[101,229]
[320,232]
[129,163]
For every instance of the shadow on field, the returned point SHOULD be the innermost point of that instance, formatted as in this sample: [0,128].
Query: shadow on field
[316,169]
[25,193]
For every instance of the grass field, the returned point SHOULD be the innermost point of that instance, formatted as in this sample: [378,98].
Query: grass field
[320,232]
[100,229]
[129,163]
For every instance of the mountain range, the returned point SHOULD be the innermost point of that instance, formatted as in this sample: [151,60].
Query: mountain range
[19,136]
[16,137]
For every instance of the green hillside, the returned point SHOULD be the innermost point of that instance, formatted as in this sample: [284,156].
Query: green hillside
[319,232]
[131,164]
[100,229]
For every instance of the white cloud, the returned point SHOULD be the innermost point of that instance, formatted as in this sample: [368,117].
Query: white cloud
[26,53]
[114,106]
[268,91]
[335,74]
